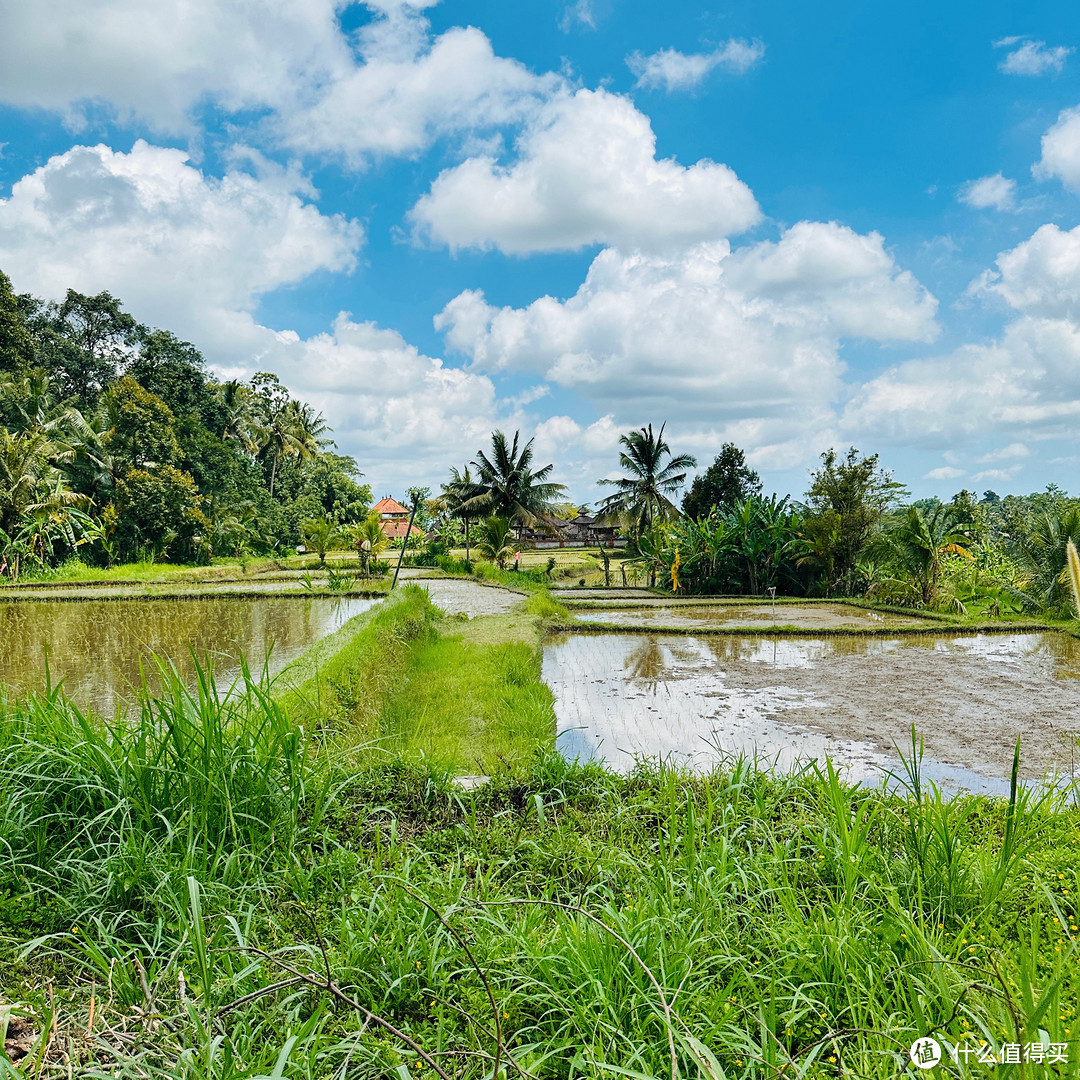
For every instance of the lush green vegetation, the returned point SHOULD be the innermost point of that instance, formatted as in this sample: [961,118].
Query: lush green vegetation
[213,889]
[116,444]
[856,535]
[402,681]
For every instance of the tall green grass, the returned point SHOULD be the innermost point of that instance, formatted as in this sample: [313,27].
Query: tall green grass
[214,887]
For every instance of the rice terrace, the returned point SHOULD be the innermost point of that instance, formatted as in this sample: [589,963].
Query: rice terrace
[486,593]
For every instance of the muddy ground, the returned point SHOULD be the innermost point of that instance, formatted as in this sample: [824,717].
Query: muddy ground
[816,616]
[969,698]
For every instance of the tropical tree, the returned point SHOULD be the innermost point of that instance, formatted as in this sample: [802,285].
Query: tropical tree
[922,540]
[644,496]
[82,342]
[25,469]
[369,540]
[458,492]
[16,344]
[816,546]
[291,430]
[1043,558]
[56,519]
[727,481]
[141,425]
[858,491]
[507,485]
[231,526]
[494,542]
[650,550]
[320,535]
[238,421]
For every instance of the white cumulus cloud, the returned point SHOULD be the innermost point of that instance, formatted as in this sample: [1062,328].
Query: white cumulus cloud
[169,240]
[670,69]
[1031,57]
[1061,151]
[157,61]
[389,89]
[407,89]
[741,342]
[1040,276]
[995,192]
[586,173]
[1027,382]
[403,414]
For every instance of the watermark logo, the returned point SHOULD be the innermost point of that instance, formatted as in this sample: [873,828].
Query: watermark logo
[925,1053]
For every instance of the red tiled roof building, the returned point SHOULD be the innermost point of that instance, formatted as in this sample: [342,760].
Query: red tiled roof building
[395,518]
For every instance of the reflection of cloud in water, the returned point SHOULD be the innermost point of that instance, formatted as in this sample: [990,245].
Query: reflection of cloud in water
[620,697]
[696,701]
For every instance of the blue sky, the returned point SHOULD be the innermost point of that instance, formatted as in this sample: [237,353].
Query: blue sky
[785,225]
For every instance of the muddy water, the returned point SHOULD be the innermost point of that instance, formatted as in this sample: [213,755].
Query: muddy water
[694,700]
[96,646]
[819,616]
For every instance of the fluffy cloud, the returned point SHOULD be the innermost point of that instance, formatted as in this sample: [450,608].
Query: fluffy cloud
[586,173]
[672,70]
[156,61]
[389,89]
[747,342]
[169,240]
[989,192]
[1061,151]
[1041,276]
[1026,383]
[404,415]
[407,90]
[1031,57]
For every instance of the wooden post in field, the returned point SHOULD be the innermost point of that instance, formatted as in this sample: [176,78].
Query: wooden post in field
[405,542]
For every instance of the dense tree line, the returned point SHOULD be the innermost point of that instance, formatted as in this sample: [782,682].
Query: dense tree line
[857,533]
[117,443]
[854,532]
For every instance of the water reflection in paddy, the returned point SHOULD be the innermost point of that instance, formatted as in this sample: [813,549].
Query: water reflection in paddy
[97,646]
[697,699]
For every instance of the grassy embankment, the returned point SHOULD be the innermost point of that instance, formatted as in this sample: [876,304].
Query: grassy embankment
[227,889]
[404,681]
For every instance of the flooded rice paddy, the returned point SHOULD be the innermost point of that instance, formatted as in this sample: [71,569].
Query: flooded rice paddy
[97,646]
[818,616]
[696,700]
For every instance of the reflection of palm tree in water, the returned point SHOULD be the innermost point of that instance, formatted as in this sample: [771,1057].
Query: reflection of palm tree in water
[646,661]
[730,648]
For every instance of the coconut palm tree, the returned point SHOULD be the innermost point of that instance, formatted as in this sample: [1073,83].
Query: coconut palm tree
[458,491]
[293,430]
[644,496]
[320,534]
[25,470]
[921,540]
[507,485]
[239,421]
[494,542]
[369,540]
[1044,559]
